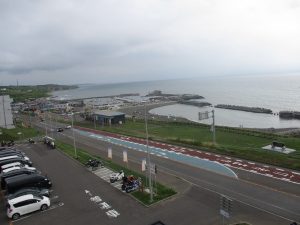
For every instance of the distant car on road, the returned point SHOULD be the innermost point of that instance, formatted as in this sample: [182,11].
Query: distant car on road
[60,129]
[68,127]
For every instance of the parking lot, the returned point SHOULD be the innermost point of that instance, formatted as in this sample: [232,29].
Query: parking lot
[78,196]
[81,196]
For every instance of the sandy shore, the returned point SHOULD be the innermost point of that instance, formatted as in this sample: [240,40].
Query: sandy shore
[138,111]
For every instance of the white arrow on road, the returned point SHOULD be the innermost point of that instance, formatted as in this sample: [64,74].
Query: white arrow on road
[88,192]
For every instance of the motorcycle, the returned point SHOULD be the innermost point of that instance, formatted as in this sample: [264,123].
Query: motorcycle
[93,163]
[11,143]
[31,141]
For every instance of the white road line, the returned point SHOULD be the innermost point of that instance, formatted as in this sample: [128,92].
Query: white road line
[219,193]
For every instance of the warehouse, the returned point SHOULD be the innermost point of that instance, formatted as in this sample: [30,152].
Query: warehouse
[109,117]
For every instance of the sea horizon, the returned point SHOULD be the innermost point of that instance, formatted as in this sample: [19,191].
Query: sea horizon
[275,92]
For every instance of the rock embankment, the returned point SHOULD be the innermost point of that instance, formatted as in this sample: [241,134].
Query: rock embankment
[245,108]
[289,115]
[172,97]
[194,103]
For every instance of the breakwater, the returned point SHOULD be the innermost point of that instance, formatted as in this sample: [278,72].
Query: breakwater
[245,108]
[289,115]
[195,103]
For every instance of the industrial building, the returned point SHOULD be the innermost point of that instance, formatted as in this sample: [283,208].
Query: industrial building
[105,117]
[6,116]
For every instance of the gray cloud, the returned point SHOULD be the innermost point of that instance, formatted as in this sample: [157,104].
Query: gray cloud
[67,41]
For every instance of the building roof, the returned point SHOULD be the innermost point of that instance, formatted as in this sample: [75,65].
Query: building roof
[108,113]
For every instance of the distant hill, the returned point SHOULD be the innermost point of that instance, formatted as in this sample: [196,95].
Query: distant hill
[31,92]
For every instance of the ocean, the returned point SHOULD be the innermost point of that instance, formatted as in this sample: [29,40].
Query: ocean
[275,92]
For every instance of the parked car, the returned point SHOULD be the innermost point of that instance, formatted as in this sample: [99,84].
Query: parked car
[13,166]
[116,176]
[26,204]
[15,173]
[68,127]
[18,182]
[13,156]
[20,160]
[32,190]
[11,150]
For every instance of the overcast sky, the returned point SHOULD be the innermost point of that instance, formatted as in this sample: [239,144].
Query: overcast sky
[103,41]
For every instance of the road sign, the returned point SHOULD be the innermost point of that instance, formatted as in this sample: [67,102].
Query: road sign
[203,115]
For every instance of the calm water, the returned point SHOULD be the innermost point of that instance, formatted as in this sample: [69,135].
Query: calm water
[276,92]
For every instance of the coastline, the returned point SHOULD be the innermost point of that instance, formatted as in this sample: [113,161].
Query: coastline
[138,111]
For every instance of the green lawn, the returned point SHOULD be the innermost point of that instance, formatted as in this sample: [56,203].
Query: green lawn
[241,143]
[12,134]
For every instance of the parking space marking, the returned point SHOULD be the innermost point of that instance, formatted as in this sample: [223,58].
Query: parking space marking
[102,171]
[104,174]
[50,208]
[54,197]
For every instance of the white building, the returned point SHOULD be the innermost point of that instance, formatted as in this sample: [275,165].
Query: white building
[6,117]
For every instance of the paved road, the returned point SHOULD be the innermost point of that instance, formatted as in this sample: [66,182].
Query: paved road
[71,182]
[166,149]
[277,204]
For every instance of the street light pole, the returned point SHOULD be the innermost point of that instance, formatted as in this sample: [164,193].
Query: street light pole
[45,124]
[148,155]
[214,128]
[74,142]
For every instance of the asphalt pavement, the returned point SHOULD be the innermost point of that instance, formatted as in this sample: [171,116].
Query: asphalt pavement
[275,202]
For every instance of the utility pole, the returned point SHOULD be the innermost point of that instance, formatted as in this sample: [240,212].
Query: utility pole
[207,115]
[213,126]
[4,115]
[74,142]
[148,155]
[45,124]
[225,208]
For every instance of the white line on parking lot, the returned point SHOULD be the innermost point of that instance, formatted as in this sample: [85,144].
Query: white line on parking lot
[50,208]
[54,197]
[104,173]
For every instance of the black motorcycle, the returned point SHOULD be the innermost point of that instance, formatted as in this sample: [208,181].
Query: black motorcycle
[11,143]
[93,163]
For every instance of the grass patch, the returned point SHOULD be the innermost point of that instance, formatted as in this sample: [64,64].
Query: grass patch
[162,191]
[12,134]
[236,142]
